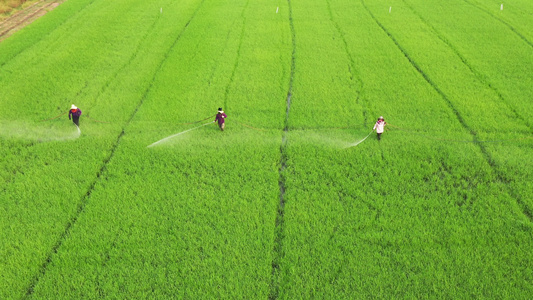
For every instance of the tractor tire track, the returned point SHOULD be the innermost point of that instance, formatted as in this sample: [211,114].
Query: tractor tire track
[351,67]
[237,59]
[27,47]
[219,58]
[488,12]
[85,199]
[486,154]
[127,63]
[476,73]
[280,220]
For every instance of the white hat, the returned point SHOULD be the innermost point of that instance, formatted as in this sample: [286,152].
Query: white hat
[73,107]
[381,118]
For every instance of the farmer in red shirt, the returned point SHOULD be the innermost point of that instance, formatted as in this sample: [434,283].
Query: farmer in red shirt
[75,113]
[220,117]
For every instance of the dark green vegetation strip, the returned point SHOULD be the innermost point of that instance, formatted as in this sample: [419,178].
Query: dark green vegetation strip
[433,210]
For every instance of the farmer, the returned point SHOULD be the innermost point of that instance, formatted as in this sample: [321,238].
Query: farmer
[220,117]
[76,113]
[379,127]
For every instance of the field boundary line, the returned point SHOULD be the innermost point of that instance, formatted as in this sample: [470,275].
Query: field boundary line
[15,27]
[488,12]
[476,73]
[500,176]
[351,67]
[48,33]
[280,220]
[21,11]
[85,198]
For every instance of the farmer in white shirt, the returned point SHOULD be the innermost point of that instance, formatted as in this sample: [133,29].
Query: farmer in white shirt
[380,126]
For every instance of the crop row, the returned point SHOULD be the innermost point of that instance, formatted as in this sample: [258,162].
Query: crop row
[429,211]
[50,180]
[413,215]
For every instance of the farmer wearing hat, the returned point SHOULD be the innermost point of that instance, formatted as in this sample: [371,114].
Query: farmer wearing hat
[76,113]
[220,117]
[379,127]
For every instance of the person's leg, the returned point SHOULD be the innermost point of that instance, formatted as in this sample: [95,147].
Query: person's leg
[379,136]
[76,120]
[222,126]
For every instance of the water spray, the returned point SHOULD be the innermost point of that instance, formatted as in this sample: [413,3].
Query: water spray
[359,142]
[175,135]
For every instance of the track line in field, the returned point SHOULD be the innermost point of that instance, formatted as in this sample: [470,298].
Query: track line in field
[127,63]
[477,74]
[160,66]
[85,198]
[48,33]
[219,57]
[72,221]
[488,158]
[351,67]
[279,230]
[237,59]
[500,20]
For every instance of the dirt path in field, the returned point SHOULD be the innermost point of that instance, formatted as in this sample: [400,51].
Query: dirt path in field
[26,16]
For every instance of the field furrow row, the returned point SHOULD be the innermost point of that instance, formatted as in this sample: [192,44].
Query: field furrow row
[297,196]
[492,13]
[16,47]
[480,77]
[87,195]
[278,243]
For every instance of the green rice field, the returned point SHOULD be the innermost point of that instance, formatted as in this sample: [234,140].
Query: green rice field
[296,198]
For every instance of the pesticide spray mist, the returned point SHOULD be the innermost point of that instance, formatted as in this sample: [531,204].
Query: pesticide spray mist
[40,132]
[358,142]
[175,135]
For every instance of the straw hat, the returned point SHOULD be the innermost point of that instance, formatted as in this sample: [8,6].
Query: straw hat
[73,107]
[381,118]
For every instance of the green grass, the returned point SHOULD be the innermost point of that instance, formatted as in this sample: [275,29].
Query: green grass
[440,208]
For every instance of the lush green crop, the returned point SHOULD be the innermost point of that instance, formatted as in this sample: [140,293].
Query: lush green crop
[282,204]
